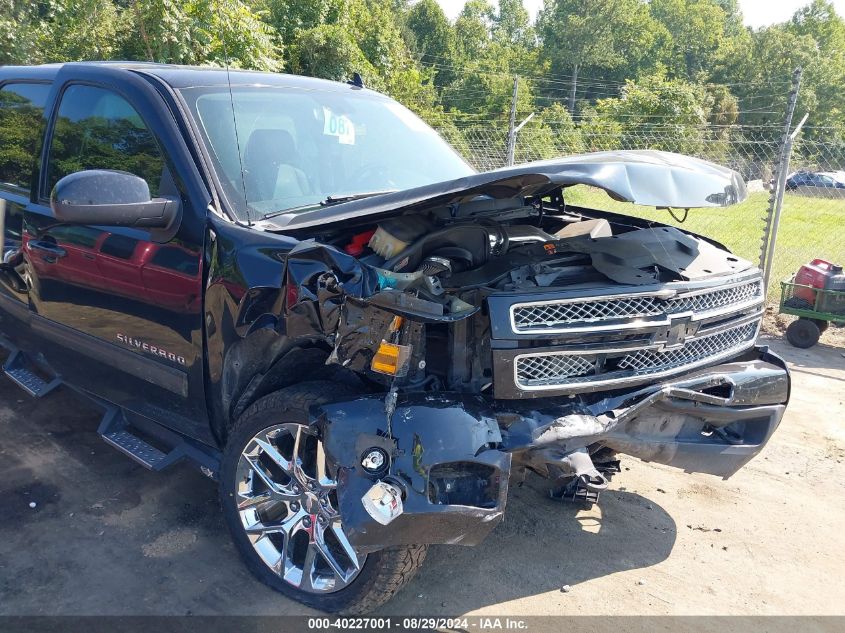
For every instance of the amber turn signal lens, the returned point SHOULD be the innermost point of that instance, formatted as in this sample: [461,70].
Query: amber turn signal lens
[391,359]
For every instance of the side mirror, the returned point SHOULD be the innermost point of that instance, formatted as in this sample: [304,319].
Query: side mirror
[111,198]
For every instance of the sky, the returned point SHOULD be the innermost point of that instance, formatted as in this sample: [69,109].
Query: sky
[757,13]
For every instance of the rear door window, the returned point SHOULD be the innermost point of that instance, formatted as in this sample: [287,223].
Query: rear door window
[21,112]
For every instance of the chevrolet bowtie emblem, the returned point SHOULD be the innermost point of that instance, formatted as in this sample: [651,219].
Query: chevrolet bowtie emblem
[676,333]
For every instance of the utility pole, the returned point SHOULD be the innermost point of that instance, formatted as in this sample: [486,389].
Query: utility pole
[512,124]
[767,249]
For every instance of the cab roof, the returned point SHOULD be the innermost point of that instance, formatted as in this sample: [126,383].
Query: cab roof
[180,77]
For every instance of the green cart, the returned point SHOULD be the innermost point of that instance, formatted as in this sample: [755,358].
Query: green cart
[815,308]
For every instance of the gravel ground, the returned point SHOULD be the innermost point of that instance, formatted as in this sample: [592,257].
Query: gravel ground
[107,537]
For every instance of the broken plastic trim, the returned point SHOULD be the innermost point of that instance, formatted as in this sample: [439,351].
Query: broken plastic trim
[452,452]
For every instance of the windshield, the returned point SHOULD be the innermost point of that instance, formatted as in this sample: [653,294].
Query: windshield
[299,147]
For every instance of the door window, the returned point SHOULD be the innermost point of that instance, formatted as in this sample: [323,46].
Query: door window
[119,246]
[83,236]
[176,259]
[98,129]
[21,109]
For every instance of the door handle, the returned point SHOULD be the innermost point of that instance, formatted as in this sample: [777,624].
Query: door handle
[48,249]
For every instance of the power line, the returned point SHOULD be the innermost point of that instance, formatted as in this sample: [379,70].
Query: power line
[564,78]
[555,79]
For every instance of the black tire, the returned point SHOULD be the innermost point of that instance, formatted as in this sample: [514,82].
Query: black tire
[803,333]
[382,574]
[822,325]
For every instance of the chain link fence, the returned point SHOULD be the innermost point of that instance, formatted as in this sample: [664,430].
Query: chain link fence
[812,223]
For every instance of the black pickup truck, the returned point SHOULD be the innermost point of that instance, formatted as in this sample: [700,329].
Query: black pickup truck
[299,286]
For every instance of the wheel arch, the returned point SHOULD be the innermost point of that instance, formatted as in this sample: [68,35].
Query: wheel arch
[300,363]
[259,365]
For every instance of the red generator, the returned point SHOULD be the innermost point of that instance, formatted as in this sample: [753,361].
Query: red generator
[819,274]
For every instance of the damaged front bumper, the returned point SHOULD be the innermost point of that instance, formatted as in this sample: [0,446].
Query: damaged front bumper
[452,454]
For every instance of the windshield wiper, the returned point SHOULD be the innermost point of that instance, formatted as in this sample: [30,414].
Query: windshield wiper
[329,201]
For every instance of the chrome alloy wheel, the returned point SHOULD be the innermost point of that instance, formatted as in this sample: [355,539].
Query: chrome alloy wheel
[287,504]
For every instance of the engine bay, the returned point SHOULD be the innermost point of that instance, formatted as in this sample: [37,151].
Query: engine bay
[531,247]
[441,282]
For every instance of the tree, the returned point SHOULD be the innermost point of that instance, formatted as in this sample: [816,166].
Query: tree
[17,31]
[724,106]
[433,38]
[696,30]
[473,28]
[687,56]
[820,21]
[661,113]
[202,32]
[490,49]
[71,30]
[592,33]
[485,84]
[433,35]
[565,136]
[763,84]
[512,25]
[291,18]
[733,17]
[232,33]
[19,123]
[161,31]
[824,71]
[328,51]
[377,32]
[599,132]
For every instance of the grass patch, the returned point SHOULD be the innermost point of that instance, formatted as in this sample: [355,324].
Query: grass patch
[809,228]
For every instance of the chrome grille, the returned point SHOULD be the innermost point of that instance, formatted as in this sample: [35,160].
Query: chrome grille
[535,371]
[565,315]
[563,369]
[539,315]
[694,351]
[730,296]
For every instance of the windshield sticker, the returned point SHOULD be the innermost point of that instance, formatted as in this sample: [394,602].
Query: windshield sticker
[338,125]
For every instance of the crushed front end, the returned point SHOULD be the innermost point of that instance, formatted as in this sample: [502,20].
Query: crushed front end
[496,329]
[452,453]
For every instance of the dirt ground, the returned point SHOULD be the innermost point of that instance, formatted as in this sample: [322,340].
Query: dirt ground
[775,324]
[107,537]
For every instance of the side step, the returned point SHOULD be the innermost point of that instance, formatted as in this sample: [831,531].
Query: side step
[17,369]
[117,432]
[145,454]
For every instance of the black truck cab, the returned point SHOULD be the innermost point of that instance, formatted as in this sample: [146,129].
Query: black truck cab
[298,285]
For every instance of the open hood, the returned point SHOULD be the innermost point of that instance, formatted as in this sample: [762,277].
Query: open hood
[646,177]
